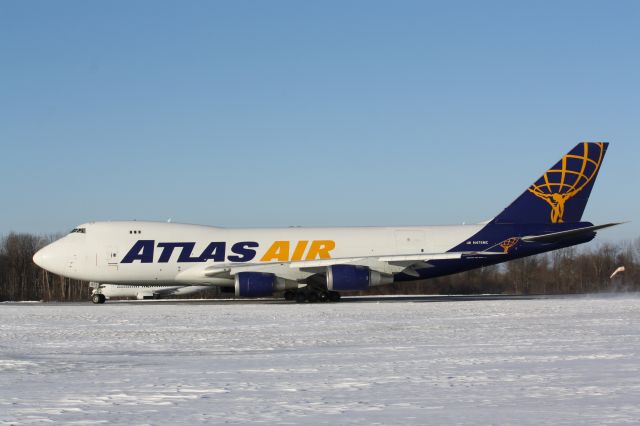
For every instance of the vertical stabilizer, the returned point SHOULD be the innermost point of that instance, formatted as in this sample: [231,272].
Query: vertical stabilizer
[561,194]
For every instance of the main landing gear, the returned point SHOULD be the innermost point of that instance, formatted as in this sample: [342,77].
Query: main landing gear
[311,295]
[98,298]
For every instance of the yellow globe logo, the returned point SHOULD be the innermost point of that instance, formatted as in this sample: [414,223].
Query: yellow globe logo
[508,243]
[568,177]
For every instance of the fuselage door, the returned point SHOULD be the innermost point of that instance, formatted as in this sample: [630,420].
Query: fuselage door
[112,257]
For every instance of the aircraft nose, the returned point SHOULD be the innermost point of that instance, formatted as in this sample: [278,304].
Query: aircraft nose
[44,258]
[57,257]
[40,257]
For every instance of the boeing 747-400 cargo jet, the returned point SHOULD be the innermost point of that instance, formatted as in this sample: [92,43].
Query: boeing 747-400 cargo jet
[315,264]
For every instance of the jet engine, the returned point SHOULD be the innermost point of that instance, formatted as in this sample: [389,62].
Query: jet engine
[354,278]
[257,284]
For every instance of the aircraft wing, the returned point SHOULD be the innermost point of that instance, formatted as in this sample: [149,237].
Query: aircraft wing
[303,269]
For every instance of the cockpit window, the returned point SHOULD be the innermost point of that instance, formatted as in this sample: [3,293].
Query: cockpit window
[79,230]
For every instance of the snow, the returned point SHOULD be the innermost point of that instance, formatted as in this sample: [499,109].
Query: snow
[559,360]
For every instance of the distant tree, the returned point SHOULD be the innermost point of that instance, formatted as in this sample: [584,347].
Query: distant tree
[524,273]
[20,273]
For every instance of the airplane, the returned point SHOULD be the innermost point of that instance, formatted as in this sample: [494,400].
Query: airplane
[317,264]
[103,292]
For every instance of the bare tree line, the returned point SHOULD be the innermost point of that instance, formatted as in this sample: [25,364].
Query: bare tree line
[571,270]
[567,271]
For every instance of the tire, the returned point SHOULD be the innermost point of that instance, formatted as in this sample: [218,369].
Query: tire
[95,298]
[301,297]
[312,297]
[334,296]
[289,295]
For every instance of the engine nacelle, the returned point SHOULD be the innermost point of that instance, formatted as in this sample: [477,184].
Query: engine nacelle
[354,278]
[257,284]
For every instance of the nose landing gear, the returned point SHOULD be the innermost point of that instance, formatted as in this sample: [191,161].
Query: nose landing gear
[98,298]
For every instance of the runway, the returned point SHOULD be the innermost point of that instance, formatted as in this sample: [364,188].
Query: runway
[525,360]
[347,299]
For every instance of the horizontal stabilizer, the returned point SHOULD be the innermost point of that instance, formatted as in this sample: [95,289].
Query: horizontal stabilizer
[555,237]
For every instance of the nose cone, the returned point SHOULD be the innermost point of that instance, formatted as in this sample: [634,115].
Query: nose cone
[46,258]
[40,257]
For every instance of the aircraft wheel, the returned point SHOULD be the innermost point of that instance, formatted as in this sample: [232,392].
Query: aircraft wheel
[323,297]
[301,297]
[289,295]
[95,298]
[334,296]
[312,297]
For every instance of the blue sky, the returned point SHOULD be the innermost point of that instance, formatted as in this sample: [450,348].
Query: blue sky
[251,113]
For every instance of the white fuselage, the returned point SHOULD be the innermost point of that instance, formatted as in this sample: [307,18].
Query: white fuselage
[153,253]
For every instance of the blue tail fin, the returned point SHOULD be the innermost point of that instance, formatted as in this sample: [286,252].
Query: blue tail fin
[561,194]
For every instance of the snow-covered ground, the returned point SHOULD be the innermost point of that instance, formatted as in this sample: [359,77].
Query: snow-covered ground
[560,361]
